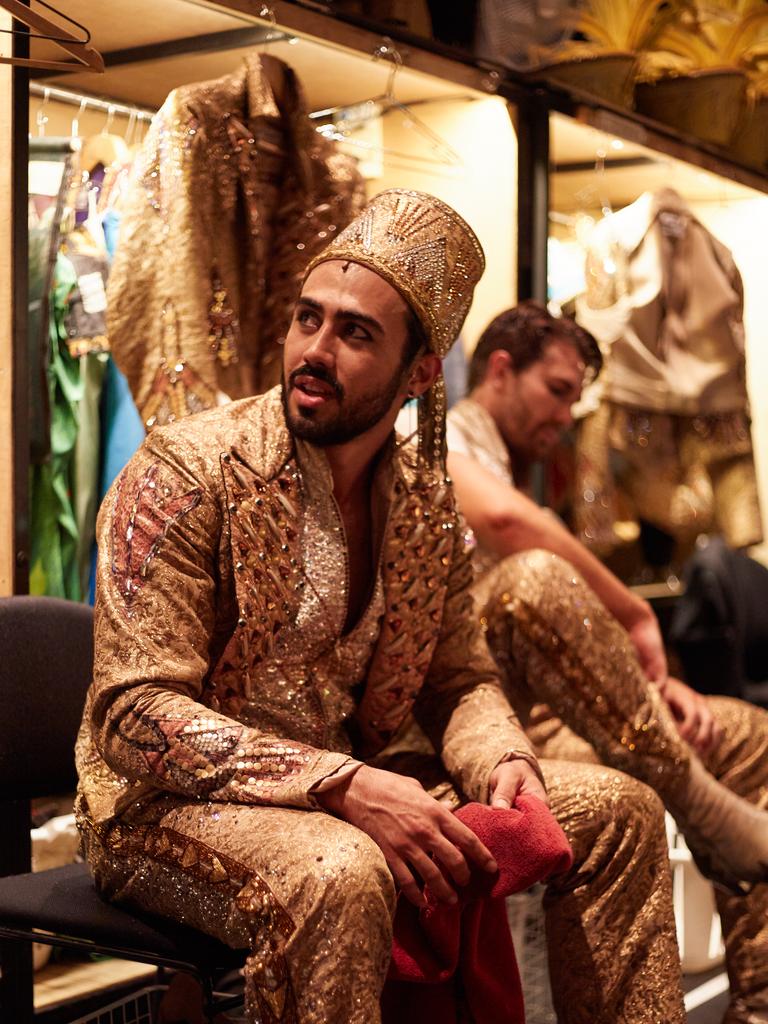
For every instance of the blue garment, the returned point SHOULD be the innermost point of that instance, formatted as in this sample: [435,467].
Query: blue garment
[121,434]
[122,428]
[110,223]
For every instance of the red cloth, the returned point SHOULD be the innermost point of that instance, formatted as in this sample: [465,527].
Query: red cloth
[441,949]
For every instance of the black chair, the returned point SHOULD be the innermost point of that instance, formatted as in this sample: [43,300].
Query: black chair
[46,653]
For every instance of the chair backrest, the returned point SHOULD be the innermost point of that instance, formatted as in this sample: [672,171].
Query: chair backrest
[46,658]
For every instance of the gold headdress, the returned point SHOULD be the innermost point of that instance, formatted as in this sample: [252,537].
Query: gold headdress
[425,250]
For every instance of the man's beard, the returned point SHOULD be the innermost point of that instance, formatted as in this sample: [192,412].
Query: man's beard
[352,419]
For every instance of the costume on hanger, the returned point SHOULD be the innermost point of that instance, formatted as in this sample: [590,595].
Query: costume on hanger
[574,679]
[50,175]
[234,193]
[55,386]
[67,442]
[664,300]
[122,430]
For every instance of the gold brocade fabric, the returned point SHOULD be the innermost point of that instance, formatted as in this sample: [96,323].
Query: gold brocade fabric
[225,694]
[741,763]
[232,195]
[308,896]
[613,954]
[684,474]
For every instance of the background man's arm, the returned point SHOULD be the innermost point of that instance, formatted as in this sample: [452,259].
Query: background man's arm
[507,522]
[461,706]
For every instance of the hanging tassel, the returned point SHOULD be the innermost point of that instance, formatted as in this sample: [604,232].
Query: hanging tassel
[432,408]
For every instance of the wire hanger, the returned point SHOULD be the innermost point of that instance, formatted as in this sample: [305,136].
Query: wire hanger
[49,31]
[378,106]
[41,117]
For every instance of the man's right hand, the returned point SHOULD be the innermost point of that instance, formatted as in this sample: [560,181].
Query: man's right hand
[417,835]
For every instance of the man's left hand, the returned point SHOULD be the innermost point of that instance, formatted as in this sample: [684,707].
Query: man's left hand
[512,778]
[646,638]
[695,721]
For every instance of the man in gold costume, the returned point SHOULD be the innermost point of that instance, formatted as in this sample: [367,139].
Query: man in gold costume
[282,588]
[582,656]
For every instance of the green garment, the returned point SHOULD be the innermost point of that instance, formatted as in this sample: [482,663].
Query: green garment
[54,568]
[93,366]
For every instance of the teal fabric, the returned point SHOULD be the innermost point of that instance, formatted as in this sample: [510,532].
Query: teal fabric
[122,429]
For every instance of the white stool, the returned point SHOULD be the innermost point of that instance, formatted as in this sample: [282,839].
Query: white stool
[698,923]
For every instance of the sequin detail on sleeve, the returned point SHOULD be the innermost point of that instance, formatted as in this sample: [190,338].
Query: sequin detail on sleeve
[139,527]
[206,756]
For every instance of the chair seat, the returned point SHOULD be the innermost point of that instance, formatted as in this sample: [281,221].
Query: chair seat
[64,901]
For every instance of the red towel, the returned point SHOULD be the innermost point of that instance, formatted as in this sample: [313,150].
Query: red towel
[440,951]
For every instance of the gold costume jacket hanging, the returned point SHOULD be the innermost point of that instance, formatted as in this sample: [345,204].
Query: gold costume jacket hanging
[234,192]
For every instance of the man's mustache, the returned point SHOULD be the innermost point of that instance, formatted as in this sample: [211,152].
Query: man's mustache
[320,374]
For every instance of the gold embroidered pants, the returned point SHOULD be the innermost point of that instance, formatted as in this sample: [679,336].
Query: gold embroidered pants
[557,644]
[312,899]
[309,896]
[610,929]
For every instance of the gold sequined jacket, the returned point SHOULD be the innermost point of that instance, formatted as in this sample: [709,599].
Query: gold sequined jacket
[232,195]
[221,671]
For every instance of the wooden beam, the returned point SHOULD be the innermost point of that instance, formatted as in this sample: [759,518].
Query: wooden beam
[531,119]
[213,42]
[643,131]
[434,58]
[425,55]
[611,164]
[21,385]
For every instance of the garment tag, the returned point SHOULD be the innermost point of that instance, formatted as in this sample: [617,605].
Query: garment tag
[92,292]
[45,177]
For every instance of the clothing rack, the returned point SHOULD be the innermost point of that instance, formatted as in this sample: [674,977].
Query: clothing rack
[84,100]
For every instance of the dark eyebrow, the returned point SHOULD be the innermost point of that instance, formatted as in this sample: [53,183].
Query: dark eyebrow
[344,314]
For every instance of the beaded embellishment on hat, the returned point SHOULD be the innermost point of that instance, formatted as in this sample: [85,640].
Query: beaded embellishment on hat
[424,249]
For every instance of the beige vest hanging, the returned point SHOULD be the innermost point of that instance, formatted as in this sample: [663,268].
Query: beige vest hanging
[664,299]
